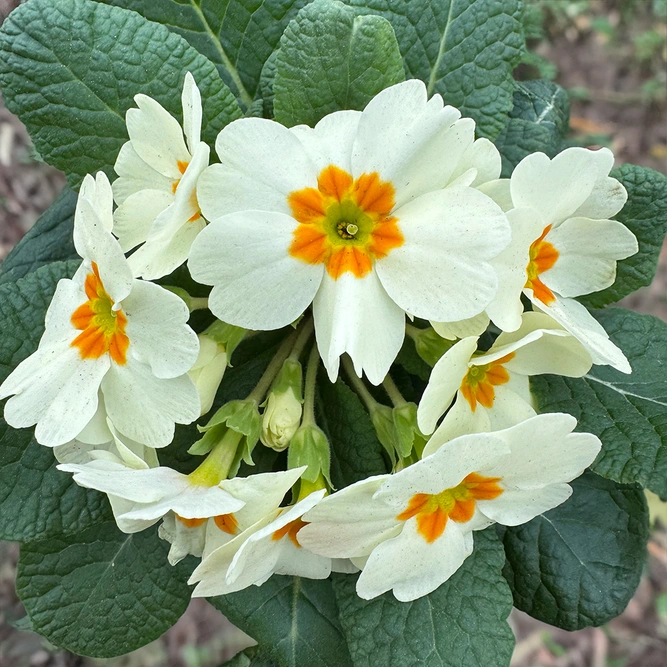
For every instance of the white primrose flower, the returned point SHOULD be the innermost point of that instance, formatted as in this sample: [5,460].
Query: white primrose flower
[156,189]
[492,388]
[106,333]
[269,546]
[262,493]
[368,216]
[414,528]
[141,497]
[563,243]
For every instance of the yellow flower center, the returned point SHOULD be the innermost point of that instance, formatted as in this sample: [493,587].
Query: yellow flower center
[433,510]
[102,327]
[542,257]
[345,224]
[477,385]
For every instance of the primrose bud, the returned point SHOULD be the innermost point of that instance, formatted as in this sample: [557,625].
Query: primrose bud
[430,345]
[283,407]
[310,447]
[408,434]
[241,416]
[383,421]
[208,370]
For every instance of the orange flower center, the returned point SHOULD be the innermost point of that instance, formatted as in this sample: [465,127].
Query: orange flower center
[344,223]
[102,328]
[542,256]
[291,530]
[477,385]
[433,510]
[225,522]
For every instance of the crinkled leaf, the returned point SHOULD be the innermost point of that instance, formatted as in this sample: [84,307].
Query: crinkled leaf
[464,622]
[237,35]
[356,452]
[101,592]
[538,121]
[331,59]
[70,71]
[463,49]
[294,620]
[50,240]
[36,500]
[627,412]
[579,564]
[645,214]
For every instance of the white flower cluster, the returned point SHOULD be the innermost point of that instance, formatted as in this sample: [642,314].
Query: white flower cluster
[367,217]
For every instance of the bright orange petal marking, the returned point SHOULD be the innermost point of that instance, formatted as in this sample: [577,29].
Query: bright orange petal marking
[291,530]
[432,525]
[458,504]
[307,205]
[227,523]
[345,223]
[543,255]
[351,259]
[334,182]
[102,328]
[190,523]
[309,244]
[373,195]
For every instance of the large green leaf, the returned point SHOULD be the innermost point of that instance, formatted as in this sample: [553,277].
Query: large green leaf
[294,620]
[464,622]
[36,500]
[627,412]
[331,59]
[580,563]
[356,452]
[237,35]
[71,69]
[102,593]
[645,214]
[538,121]
[50,240]
[463,49]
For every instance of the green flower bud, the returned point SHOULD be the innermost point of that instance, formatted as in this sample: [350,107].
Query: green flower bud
[429,345]
[208,371]
[383,421]
[310,447]
[241,416]
[408,434]
[282,414]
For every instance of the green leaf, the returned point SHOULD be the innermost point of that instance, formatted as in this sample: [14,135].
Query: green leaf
[294,620]
[70,70]
[464,622]
[331,59]
[238,36]
[627,412]
[50,240]
[538,122]
[645,214]
[36,500]
[102,593]
[356,452]
[463,49]
[579,564]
